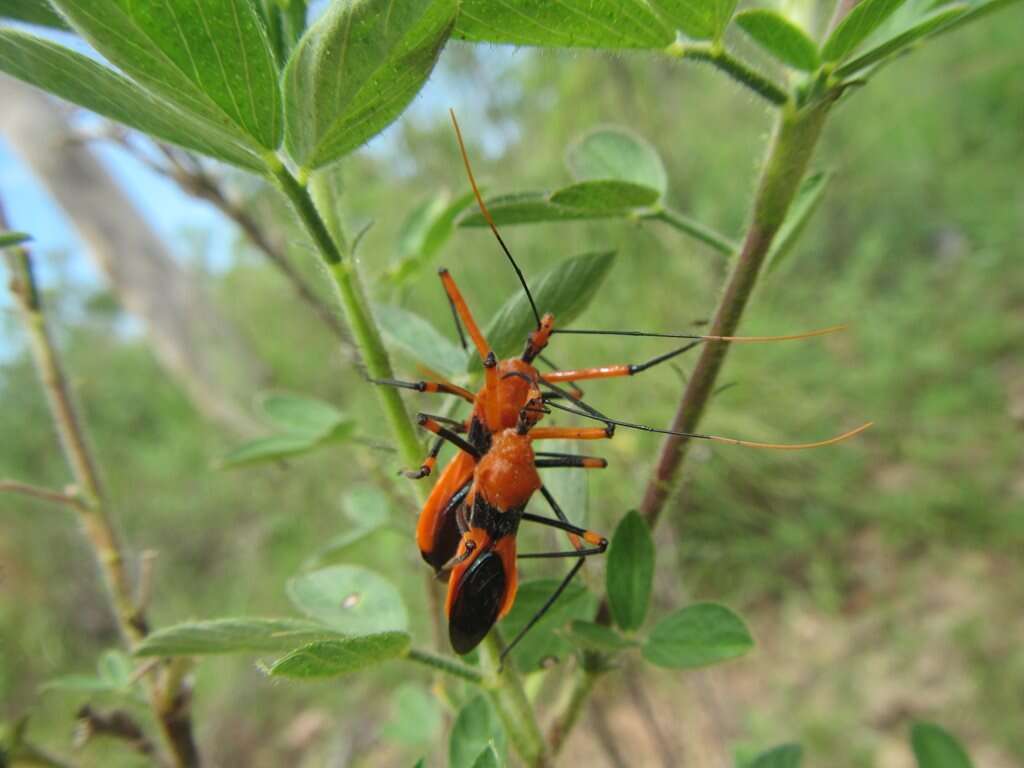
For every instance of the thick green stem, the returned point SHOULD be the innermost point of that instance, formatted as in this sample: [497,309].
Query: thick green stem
[506,692]
[361,323]
[737,69]
[796,135]
[505,688]
[793,143]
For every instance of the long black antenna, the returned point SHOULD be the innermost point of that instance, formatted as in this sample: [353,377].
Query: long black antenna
[787,337]
[490,220]
[715,438]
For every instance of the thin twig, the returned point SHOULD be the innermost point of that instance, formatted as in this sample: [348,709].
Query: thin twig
[115,724]
[174,721]
[649,717]
[602,729]
[35,491]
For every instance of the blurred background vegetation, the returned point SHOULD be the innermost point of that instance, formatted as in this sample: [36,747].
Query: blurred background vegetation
[881,578]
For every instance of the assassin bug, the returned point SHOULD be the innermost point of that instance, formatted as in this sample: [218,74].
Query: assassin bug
[469,523]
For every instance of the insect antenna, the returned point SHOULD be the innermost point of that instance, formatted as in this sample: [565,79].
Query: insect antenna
[489,218]
[736,339]
[716,438]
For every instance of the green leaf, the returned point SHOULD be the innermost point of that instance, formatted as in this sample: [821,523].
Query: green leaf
[82,81]
[784,756]
[630,571]
[698,635]
[350,599]
[273,448]
[356,69]
[116,668]
[530,208]
[367,510]
[864,19]
[596,637]
[698,19]
[937,21]
[606,195]
[11,239]
[487,759]
[541,642]
[210,57]
[77,684]
[475,728]
[415,717]
[616,153]
[934,747]
[808,197]
[781,38]
[366,505]
[37,12]
[300,415]
[420,340]
[232,635]
[608,24]
[565,290]
[976,12]
[331,658]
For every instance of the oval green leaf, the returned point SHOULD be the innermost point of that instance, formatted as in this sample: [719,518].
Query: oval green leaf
[939,20]
[610,24]
[630,571]
[934,747]
[415,716]
[331,658]
[356,69]
[11,239]
[864,19]
[784,756]
[616,153]
[565,290]
[300,415]
[82,81]
[273,448]
[696,636]
[417,338]
[596,637]
[532,208]
[487,759]
[542,642]
[231,635]
[212,58]
[781,38]
[605,195]
[698,19]
[36,12]
[475,728]
[350,599]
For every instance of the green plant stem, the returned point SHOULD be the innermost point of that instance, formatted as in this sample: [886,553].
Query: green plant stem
[793,142]
[448,666]
[361,323]
[795,137]
[170,702]
[505,689]
[736,68]
[694,229]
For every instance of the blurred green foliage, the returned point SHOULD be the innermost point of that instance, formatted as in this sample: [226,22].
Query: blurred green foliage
[916,244]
